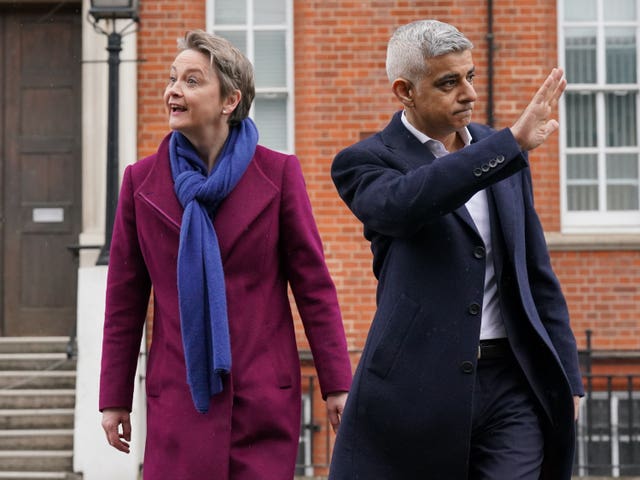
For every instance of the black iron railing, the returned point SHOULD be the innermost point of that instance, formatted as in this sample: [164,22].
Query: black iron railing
[316,435]
[608,427]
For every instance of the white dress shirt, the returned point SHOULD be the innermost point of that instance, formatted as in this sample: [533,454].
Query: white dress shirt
[491,325]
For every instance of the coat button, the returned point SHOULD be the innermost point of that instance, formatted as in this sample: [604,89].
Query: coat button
[485,167]
[466,367]
[493,163]
[474,309]
[477,172]
[479,252]
[500,158]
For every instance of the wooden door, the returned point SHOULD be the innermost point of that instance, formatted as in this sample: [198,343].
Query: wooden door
[40,161]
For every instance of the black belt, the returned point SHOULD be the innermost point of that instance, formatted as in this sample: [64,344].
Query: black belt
[495,348]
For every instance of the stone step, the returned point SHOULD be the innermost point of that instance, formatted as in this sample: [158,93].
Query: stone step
[57,439]
[42,398]
[37,476]
[16,379]
[34,344]
[37,400]
[46,418]
[36,460]
[36,361]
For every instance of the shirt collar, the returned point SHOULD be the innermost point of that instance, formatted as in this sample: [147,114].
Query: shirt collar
[423,138]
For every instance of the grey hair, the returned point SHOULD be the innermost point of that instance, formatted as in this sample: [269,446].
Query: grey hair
[413,43]
[233,69]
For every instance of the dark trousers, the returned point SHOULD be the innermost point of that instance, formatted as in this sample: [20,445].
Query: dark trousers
[507,441]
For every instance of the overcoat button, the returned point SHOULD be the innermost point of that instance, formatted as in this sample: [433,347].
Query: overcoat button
[485,167]
[479,252]
[466,367]
[500,158]
[493,163]
[474,309]
[477,172]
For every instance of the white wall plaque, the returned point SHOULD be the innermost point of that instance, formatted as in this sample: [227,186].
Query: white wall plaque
[48,215]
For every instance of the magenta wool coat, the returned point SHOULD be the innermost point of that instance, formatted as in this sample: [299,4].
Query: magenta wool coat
[268,240]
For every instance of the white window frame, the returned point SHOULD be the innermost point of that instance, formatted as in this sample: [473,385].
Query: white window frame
[306,434]
[600,221]
[251,28]
[613,437]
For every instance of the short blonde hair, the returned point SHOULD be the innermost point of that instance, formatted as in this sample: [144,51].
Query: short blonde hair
[233,69]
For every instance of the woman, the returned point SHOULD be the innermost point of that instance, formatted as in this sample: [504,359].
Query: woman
[223,374]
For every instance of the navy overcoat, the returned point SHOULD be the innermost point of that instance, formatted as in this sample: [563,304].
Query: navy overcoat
[408,415]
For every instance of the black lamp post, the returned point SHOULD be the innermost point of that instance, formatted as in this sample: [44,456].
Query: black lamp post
[110,11]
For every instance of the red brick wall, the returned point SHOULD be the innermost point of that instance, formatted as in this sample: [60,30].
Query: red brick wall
[603,293]
[341,94]
[342,91]
[162,23]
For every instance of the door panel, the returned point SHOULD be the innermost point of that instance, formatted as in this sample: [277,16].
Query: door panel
[42,171]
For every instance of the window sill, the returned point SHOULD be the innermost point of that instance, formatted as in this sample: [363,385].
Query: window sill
[557,241]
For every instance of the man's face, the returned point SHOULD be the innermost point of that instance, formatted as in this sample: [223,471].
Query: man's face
[443,99]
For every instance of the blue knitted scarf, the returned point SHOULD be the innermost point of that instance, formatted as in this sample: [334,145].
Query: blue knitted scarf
[201,288]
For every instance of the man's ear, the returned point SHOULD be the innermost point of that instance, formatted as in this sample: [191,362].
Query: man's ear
[403,90]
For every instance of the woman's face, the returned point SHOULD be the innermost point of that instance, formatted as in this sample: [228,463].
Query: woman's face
[192,97]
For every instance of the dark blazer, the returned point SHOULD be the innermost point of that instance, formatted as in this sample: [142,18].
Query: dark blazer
[268,240]
[409,411]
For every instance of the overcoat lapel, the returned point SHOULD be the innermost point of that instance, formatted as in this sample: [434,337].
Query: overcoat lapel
[406,146]
[157,189]
[502,194]
[248,200]
[464,215]
[251,196]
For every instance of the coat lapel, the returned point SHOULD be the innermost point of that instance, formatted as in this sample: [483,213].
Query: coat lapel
[248,200]
[157,189]
[463,214]
[253,193]
[406,146]
[503,209]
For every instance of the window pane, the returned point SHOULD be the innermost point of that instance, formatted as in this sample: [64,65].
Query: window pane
[621,55]
[239,39]
[622,166]
[622,197]
[582,167]
[582,182]
[599,440]
[628,419]
[270,61]
[622,181]
[269,12]
[581,119]
[227,12]
[580,54]
[580,9]
[620,10]
[629,455]
[582,198]
[621,119]
[271,119]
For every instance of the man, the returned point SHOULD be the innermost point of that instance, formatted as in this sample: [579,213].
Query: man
[470,369]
